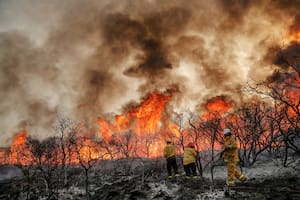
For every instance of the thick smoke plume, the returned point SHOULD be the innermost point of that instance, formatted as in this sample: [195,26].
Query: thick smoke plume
[84,59]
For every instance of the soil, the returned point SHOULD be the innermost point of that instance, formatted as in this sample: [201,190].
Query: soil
[282,185]
[182,188]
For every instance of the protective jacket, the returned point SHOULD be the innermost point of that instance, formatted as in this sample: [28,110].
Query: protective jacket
[230,150]
[189,156]
[169,151]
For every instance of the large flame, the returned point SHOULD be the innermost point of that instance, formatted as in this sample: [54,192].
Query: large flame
[175,130]
[149,113]
[218,105]
[18,151]
[143,119]
[141,131]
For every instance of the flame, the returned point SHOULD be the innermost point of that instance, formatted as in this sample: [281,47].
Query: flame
[294,34]
[174,128]
[147,125]
[3,157]
[144,118]
[145,121]
[217,104]
[293,95]
[18,151]
[149,113]
[88,150]
[122,122]
[106,129]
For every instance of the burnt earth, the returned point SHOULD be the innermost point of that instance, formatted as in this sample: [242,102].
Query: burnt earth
[186,189]
[131,188]
[122,186]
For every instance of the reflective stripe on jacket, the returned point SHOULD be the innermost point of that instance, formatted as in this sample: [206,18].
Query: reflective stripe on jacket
[231,151]
[189,156]
[169,151]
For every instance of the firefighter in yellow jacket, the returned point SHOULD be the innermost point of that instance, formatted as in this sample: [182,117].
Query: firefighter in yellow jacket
[170,155]
[231,158]
[189,160]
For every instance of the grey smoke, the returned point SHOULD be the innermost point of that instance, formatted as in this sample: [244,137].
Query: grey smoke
[83,59]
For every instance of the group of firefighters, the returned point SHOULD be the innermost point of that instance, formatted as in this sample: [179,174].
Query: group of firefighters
[229,152]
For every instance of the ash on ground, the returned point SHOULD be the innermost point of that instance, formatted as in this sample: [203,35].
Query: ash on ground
[147,179]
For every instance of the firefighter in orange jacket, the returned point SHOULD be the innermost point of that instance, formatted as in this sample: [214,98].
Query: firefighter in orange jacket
[170,155]
[231,158]
[189,160]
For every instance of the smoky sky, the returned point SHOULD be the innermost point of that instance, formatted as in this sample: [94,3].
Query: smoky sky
[84,59]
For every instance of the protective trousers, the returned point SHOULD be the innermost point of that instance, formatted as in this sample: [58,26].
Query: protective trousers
[232,172]
[171,163]
[190,169]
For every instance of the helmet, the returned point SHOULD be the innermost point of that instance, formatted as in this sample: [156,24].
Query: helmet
[227,131]
[168,140]
[191,145]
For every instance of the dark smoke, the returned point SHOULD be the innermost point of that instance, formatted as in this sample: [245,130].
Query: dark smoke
[290,6]
[149,35]
[289,56]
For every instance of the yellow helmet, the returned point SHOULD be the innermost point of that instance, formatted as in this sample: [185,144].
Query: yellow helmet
[168,140]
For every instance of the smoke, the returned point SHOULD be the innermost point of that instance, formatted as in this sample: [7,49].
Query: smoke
[85,59]
[286,56]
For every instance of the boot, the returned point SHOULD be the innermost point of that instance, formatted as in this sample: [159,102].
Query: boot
[242,178]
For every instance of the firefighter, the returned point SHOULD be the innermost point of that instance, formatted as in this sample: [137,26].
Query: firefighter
[231,158]
[170,155]
[189,160]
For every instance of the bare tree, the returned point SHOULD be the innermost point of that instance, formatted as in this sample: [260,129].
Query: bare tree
[21,157]
[283,87]
[87,153]
[126,143]
[250,129]
[110,148]
[178,118]
[145,143]
[45,157]
[196,129]
[65,130]
[212,129]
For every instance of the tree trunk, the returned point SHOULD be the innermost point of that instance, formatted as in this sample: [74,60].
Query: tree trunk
[87,184]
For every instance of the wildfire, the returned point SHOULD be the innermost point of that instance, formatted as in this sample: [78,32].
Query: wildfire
[2,156]
[143,119]
[141,128]
[141,131]
[149,113]
[293,94]
[174,128]
[19,147]
[294,34]
[217,104]
[88,150]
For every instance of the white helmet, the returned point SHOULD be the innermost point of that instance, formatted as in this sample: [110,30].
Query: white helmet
[227,131]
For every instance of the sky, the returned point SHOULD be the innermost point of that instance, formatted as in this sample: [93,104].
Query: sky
[87,59]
